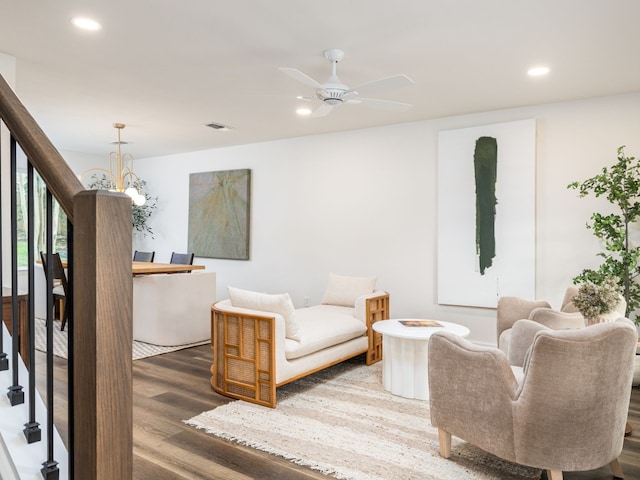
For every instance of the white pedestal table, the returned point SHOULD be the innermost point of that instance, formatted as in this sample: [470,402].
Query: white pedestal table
[405,359]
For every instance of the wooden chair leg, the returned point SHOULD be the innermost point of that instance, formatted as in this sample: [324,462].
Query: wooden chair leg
[616,469]
[444,439]
[554,474]
[63,313]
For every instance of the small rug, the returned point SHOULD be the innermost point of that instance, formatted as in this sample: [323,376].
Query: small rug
[140,349]
[341,422]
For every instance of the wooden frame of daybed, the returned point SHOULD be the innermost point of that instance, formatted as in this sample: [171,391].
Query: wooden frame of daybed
[244,357]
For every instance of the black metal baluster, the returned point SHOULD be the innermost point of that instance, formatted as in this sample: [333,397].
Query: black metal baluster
[50,470]
[16,394]
[4,361]
[32,430]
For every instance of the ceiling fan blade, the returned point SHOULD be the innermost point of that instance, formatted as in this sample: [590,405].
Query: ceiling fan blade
[380,104]
[309,99]
[299,76]
[322,111]
[388,83]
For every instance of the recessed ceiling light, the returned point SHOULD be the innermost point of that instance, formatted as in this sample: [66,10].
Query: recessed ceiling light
[538,71]
[304,111]
[86,23]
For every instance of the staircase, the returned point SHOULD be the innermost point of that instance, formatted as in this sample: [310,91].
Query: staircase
[100,423]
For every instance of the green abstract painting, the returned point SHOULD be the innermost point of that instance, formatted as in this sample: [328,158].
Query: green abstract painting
[485,161]
[219,214]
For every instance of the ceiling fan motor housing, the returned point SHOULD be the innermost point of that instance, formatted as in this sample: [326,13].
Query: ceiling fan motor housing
[332,96]
[332,91]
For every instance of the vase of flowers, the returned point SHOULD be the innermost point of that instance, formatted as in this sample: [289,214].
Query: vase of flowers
[599,302]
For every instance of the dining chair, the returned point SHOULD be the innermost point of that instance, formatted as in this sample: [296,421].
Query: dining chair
[60,285]
[139,256]
[182,258]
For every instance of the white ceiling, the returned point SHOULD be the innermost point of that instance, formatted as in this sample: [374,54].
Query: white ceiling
[166,67]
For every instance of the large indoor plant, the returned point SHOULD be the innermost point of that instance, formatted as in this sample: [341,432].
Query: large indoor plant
[620,185]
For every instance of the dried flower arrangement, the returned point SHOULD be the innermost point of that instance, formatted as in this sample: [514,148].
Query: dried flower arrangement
[593,299]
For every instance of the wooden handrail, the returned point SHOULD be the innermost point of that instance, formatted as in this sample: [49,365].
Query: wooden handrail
[60,179]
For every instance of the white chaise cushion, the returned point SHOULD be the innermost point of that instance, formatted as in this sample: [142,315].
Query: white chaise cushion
[342,290]
[323,326]
[275,303]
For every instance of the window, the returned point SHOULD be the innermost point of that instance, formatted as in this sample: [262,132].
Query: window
[39,221]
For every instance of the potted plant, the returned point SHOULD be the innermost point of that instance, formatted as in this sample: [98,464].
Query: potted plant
[620,185]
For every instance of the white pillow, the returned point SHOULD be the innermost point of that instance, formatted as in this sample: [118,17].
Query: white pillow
[343,290]
[274,303]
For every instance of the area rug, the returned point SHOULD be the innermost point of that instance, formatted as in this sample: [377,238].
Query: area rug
[342,423]
[139,349]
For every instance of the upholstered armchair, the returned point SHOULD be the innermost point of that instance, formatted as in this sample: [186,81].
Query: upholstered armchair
[565,411]
[512,309]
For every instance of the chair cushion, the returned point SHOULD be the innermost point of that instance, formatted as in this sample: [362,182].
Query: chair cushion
[343,291]
[570,307]
[518,372]
[527,356]
[274,303]
[323,326]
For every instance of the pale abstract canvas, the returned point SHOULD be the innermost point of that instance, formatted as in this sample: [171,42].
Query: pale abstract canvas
[486,213]
[219,207]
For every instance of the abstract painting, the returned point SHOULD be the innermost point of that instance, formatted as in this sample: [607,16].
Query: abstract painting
[486,213]
[219,214]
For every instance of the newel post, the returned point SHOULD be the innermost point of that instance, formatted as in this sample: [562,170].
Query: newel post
[102,332]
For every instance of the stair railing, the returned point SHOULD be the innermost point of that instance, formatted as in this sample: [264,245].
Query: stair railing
[100,439]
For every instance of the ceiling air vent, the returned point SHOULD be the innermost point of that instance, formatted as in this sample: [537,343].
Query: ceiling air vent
[217,126]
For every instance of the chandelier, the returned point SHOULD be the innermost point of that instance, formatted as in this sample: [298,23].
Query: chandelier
[120,174]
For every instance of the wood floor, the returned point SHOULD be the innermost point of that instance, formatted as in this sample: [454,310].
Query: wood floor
[173,387]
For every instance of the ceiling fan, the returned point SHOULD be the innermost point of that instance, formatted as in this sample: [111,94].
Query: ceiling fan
[333,92]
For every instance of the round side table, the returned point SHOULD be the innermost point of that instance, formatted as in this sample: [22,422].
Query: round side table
[405,359]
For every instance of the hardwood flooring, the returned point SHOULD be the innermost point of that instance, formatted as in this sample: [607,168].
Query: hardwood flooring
[175,386]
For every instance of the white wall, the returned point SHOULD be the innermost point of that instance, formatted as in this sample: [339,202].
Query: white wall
[364,203]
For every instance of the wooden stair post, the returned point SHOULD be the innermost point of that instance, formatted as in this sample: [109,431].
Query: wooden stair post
[102,329]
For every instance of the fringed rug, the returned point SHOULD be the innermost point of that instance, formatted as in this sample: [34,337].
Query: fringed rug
[140,349]
[342,423]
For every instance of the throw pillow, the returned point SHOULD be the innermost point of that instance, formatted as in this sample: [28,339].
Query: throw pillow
[343,291]
[273,303]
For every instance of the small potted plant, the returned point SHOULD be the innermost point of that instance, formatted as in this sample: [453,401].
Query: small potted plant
[599,302]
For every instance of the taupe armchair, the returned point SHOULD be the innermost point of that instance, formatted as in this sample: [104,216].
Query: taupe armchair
[566,412]
[512,309]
